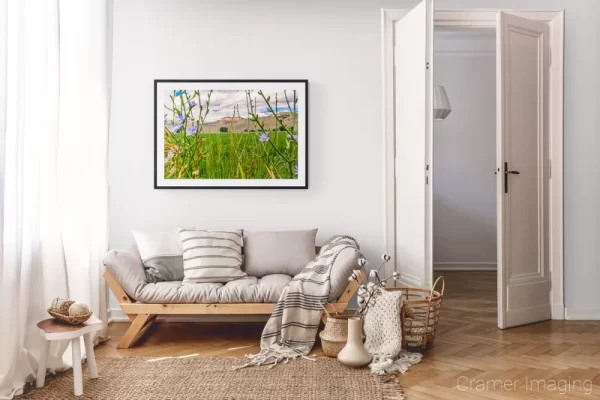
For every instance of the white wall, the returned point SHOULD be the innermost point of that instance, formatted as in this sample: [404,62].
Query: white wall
[336,45]
[464,185]
[333,45]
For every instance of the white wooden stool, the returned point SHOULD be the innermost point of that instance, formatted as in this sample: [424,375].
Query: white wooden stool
[54,330]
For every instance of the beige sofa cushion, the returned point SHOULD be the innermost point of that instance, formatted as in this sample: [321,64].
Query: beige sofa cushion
[244,290]
[285,252]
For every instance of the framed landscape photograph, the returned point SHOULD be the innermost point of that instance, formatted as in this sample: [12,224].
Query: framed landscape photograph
[230,134]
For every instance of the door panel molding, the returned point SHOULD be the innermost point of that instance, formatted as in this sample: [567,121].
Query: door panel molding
[407,280]
[523,98]
[523,316]
[475,19]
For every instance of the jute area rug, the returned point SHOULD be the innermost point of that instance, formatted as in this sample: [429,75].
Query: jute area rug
[214,378]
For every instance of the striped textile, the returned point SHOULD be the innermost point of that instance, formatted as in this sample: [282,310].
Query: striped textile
[211,256]
[291,330]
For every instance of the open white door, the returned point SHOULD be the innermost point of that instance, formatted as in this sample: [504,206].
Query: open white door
[413,59]
[523,170]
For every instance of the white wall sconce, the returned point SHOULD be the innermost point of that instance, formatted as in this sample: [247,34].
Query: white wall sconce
[441,103]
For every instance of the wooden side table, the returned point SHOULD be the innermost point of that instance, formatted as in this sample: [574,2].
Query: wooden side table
[54,330]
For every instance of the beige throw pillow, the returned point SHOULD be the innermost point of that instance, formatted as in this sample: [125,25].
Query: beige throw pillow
[211,256]
[285,252]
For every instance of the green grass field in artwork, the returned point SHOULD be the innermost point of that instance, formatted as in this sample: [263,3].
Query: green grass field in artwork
[206,137]
[231,156]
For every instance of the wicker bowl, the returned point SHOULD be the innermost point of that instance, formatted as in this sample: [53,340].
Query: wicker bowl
[69,319]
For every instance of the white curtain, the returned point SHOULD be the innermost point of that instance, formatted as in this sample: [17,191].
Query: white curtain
[54,118]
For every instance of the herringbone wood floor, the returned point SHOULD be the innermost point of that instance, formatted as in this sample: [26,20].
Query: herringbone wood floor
[470,359]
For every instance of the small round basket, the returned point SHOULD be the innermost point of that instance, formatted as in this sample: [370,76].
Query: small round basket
[331,348]
[335,335]
[73,320]
[420,314]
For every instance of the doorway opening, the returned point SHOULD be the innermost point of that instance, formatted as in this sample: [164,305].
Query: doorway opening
[464,167]
[529,140]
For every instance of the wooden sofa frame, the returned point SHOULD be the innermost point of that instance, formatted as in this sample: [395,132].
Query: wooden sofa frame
[142,315]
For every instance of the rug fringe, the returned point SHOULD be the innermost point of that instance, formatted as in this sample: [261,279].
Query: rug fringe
[392,390]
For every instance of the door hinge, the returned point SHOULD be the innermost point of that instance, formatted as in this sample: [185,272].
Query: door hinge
[427,65]
[427,174]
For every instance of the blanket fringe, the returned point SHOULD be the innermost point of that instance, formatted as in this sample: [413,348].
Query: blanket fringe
[384,364]
[273,356]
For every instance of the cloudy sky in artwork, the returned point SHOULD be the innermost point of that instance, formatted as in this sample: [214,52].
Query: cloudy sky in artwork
[222,102]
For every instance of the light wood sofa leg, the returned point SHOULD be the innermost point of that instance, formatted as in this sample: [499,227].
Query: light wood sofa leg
[118,291]
[140,324]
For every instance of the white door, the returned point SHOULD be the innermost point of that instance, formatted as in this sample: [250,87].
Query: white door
[413,57]
[523,170]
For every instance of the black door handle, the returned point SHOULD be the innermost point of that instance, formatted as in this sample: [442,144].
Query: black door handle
[506,172]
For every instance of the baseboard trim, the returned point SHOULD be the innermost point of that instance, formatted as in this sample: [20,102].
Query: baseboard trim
[558,311]
[582,313]
[465,266]
[117,315]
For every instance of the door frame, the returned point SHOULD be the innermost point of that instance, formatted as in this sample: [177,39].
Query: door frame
[485,18]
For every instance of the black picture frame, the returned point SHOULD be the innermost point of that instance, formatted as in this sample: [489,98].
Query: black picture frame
[303,185]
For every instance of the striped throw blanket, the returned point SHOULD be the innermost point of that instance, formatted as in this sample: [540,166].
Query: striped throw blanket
[291,330]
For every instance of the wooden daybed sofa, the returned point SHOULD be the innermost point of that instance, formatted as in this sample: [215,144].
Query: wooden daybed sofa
[143,302]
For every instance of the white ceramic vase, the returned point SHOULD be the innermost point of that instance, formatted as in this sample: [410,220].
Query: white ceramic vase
[354,353]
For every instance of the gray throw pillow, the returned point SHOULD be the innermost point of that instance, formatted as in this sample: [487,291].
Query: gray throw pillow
[285,252]
[162,255]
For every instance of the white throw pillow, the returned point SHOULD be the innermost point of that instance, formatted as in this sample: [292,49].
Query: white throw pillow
[211,256]
[161,255]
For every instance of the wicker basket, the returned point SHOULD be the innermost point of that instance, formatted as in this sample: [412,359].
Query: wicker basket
[73,320]
[420,314]
[331,348]
[335,335]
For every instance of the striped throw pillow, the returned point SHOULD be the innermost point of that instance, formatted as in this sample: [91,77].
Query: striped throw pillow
[211,256]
